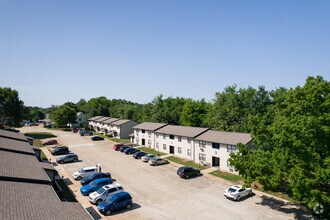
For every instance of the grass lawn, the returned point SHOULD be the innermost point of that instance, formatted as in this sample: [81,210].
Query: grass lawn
[186,162]
[228,176]
[151,151]
[40,135]
[124,141]
[66,194]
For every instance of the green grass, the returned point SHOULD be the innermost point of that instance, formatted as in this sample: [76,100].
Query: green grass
[40,135]
[228,176]
[124,141]
[186,162]
[151,151]
[66,194]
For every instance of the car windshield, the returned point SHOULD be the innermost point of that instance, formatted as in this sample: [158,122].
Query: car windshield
[100,191]
[110,199]
[232,190]
[81,170]
[92,184]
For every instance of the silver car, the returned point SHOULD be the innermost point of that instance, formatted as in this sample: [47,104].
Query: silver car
[157,161]
[104,192]
[237,192]
[147,157]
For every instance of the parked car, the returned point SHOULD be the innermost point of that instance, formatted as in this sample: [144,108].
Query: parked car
[139,154]
[237,192]
[67,158]
[122,148]
[50,148]
[116,202]
[104,192]
[157,161]
[147,157]
[186,172]
[131,150]
[85,132]
[84,172]
[50,142]
[60,150]
[94,185]
[94,176]
[97,138]
[117,146]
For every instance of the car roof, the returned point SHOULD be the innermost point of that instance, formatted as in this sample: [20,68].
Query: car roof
[236,187]
[87,168]
[120,194]
[101,180]
[113,185]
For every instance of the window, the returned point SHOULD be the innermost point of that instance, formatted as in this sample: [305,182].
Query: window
[202,143]
[231,148]
[149,143]
[229,165]
[188,140]
[179,138]
[202,157]
[137,133]
[164,146]
[120,188]
[172,137]
[137,140]
[189,152]
[216,145]
[164,136]
[157,145]
[149,134]
[143,131]
[180,150]
[112,190]
[157,135]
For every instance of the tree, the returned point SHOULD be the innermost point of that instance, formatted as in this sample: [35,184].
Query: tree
[64,115]
[11,107]
[193,113]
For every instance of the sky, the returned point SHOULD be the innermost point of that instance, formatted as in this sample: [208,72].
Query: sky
[55,51]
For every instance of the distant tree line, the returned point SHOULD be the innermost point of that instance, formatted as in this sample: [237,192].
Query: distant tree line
[290,129]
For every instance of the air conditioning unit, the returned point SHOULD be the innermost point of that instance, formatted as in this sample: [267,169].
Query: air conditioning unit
[231,169]
[202,149]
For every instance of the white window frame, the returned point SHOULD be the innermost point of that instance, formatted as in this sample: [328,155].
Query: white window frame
[189,152]
[179,150]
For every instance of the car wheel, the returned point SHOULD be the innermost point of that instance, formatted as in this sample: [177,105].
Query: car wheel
[98,201]
[75,160]
[250,193]
[238,198]
[79,178]
[129,206]
[187,176]
[61,162]
[199,173]
[108,212]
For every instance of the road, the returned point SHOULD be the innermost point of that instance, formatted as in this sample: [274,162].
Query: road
[158,193]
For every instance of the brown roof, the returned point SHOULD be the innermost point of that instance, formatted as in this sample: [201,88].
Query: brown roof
[149,126]
[120,122]
[110,120]
[181,130]
[12,135]
[223,137]
[15,145]
[94,118]
[36,201]
[101,119]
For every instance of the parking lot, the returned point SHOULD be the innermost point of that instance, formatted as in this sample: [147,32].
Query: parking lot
[158,192]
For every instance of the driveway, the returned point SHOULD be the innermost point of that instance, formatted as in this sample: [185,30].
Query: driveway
[158,193]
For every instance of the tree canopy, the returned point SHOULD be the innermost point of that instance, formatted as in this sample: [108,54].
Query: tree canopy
[11,107]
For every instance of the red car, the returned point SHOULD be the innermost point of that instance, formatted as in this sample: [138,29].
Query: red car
[50,142]
[117,146]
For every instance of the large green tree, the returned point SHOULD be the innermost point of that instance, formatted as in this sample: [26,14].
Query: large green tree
[294,152]
[63,115]
[193,113]
[11,107]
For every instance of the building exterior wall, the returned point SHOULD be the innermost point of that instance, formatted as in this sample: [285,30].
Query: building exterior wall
[183,146]
[148,136]
[126,129]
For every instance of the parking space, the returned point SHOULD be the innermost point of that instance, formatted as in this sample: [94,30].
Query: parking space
[157,191]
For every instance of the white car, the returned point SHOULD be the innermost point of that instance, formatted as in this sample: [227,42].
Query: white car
[147,157]
[104,192]
[237,192]
[84,172]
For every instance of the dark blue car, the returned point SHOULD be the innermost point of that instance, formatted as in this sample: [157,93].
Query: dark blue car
[94,176]
[115,202]
[94,185]
[122,148]
[139,154]
[131,150]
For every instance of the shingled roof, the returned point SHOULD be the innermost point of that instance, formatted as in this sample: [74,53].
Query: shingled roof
[110,120]
[182,130]
[14,145]
[13,135]
[223,137]
[101,119]
[120,122]
[94,118]
[149,126]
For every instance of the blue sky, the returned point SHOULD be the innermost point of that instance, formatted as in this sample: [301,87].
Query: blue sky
[58,51]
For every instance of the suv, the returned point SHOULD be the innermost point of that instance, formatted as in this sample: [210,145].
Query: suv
[115,202]
[94,176]
[84,172]
[67,158]
[60,150]
[85,132]
[103,193]
[186,172]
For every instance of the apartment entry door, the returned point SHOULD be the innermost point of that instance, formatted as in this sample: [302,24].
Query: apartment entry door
[215,161]
[143,142]
[171,149]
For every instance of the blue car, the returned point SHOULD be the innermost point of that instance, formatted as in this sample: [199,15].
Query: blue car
[94,176]
[131,150]
[94,185]
[115,202]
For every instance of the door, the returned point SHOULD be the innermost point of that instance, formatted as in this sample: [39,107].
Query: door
[171,149]
[143,141]
[215,161]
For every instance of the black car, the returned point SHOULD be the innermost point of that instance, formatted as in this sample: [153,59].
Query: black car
[60,150]
[139,154]
[97,138]
[67,158]
[186,172]
[131,150]
[94,176]
[122,148]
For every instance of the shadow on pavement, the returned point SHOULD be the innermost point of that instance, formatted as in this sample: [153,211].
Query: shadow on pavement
[67,181]
[93,213]
[135,206]
[285,207]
